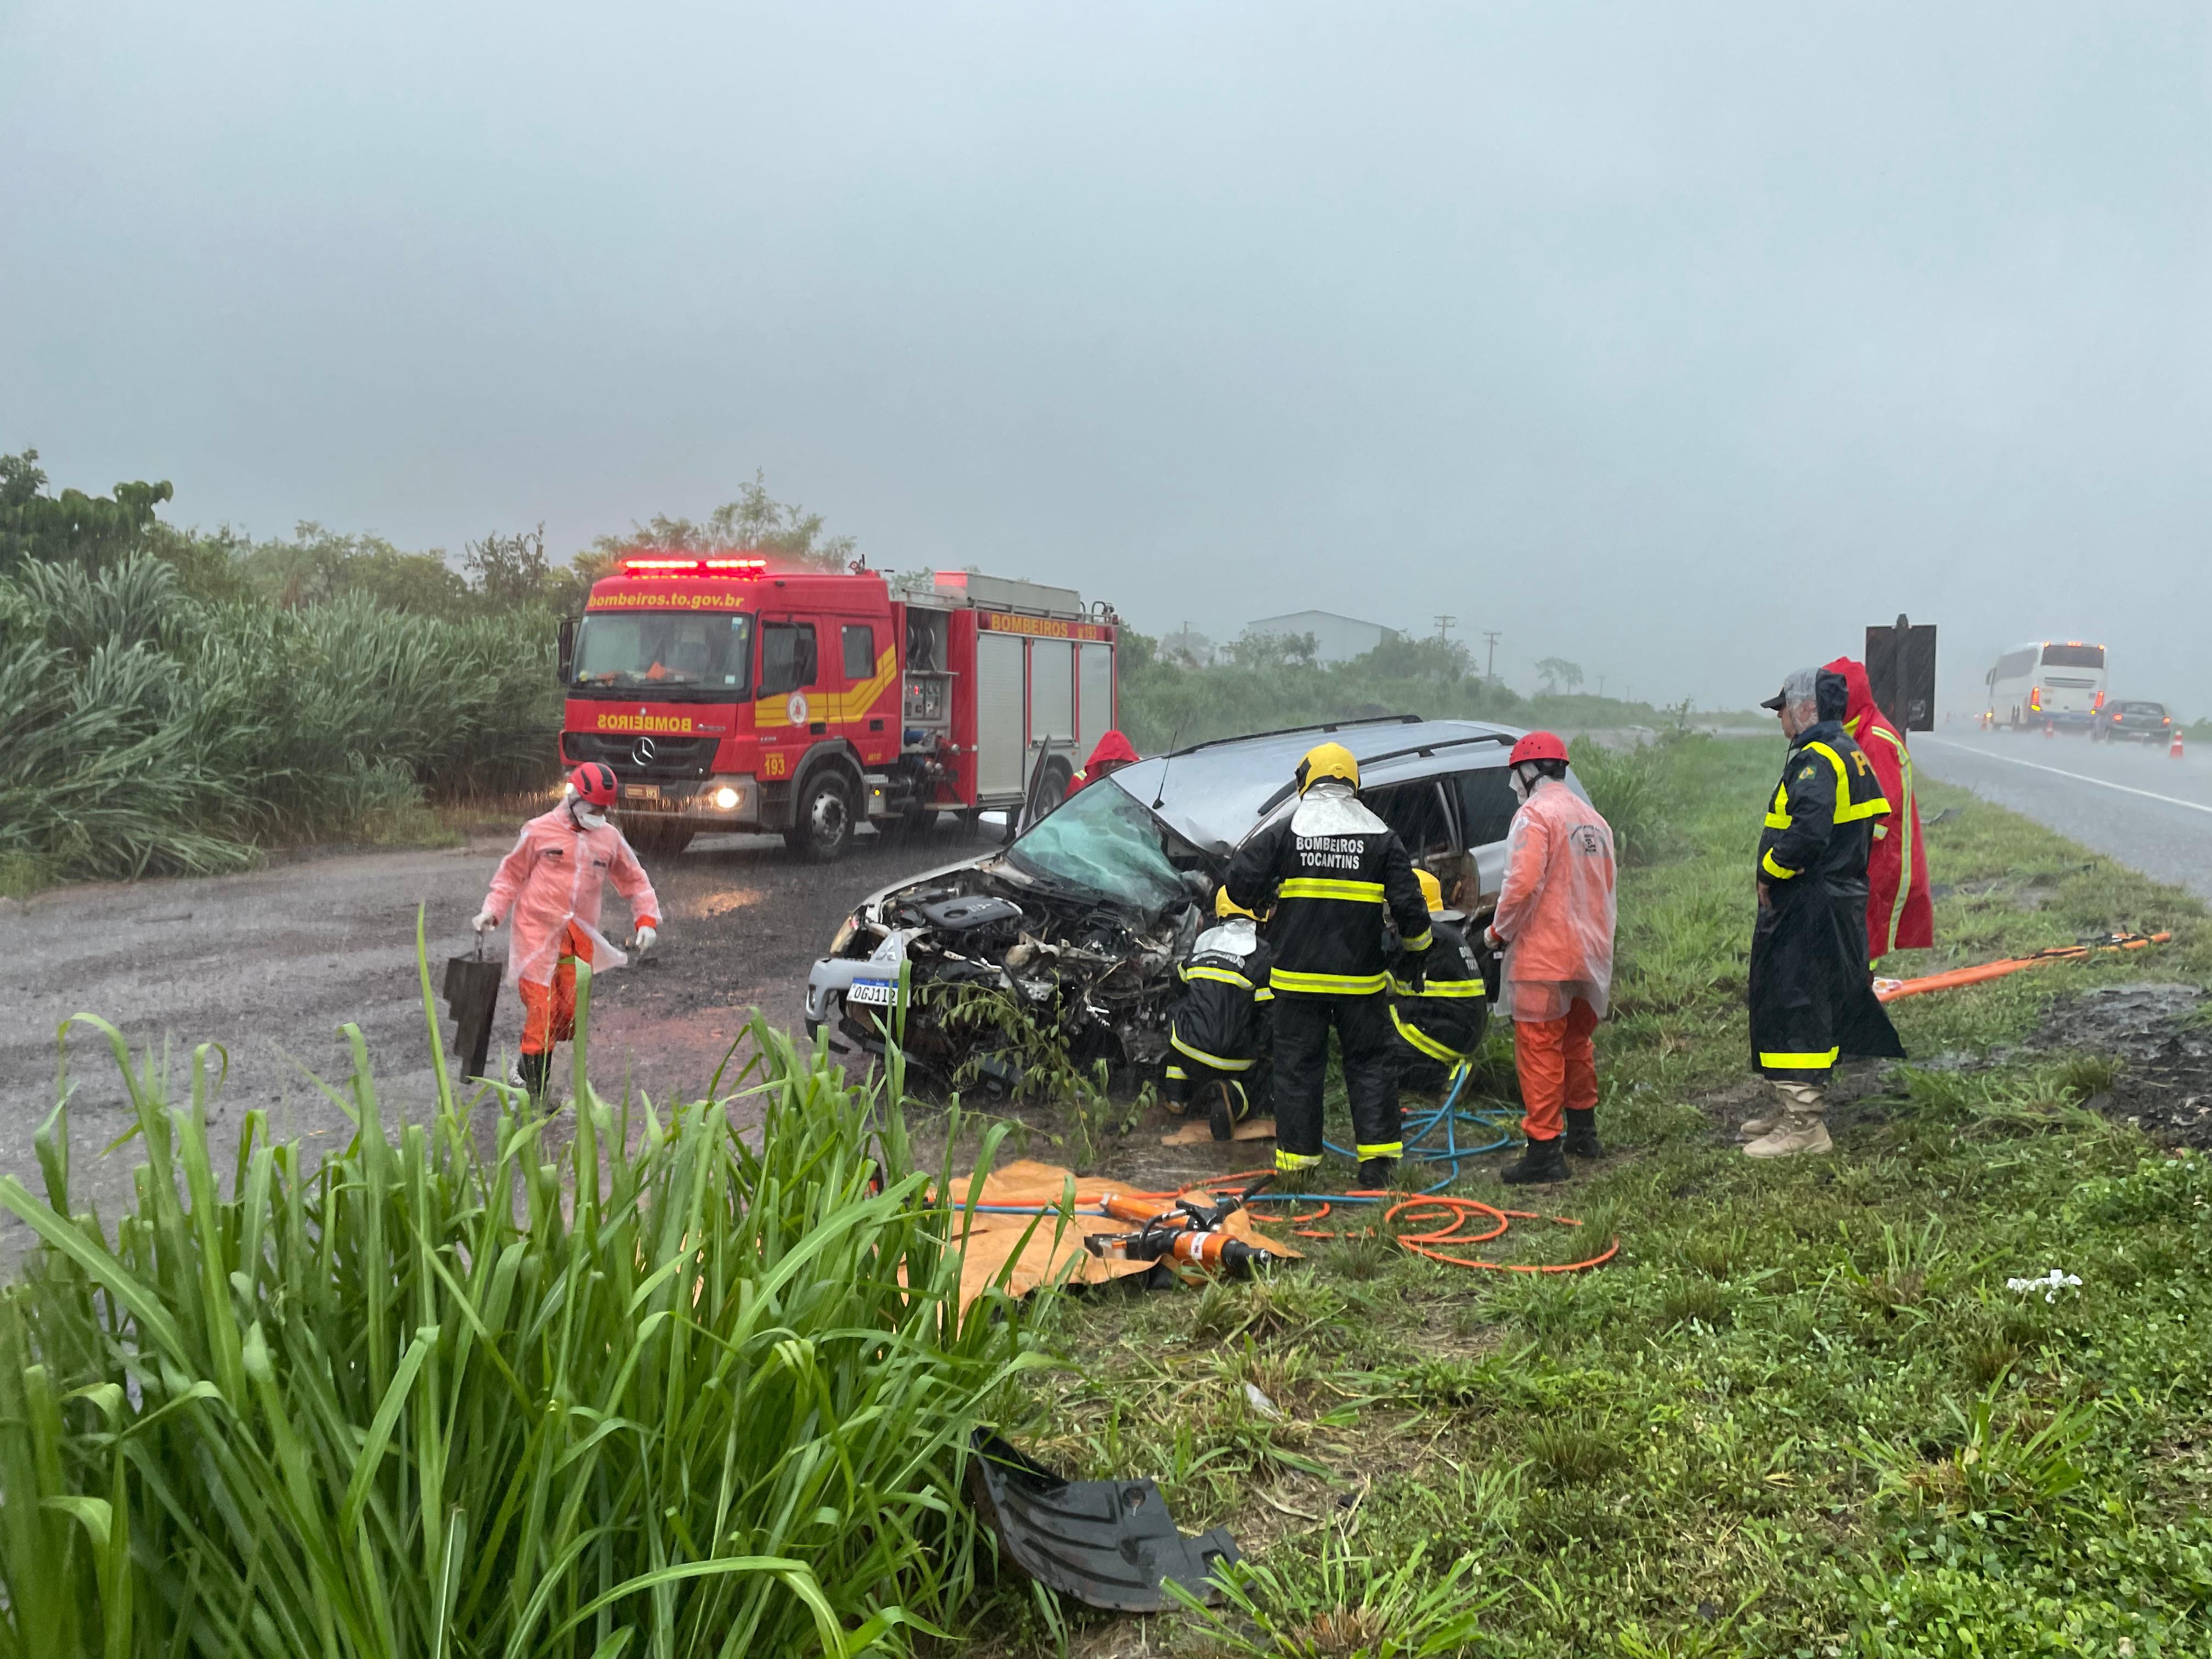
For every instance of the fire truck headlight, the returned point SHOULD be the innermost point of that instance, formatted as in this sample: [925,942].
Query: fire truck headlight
[727,798]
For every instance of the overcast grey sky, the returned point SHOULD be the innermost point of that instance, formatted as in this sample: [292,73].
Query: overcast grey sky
[1682,341]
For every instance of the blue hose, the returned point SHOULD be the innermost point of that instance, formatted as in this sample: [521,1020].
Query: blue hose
[1493,1120]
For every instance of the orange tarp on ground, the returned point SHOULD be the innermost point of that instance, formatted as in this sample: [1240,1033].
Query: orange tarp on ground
[1055,1248]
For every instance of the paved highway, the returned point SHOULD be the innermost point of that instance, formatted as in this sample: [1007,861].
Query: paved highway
[2133,804]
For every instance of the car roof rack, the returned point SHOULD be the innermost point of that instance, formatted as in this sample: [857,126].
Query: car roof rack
[1318,725]
[1284,793]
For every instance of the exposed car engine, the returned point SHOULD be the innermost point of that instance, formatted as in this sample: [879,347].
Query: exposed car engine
[1089,979]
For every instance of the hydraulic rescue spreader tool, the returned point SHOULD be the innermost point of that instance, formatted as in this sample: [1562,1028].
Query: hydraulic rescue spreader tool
[1190,1232]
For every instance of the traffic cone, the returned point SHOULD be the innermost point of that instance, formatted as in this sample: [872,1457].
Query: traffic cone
[2173,749]
[2050,728]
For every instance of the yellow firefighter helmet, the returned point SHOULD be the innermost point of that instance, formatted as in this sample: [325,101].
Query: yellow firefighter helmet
[1433,892]
[1225,907]
[1328,760]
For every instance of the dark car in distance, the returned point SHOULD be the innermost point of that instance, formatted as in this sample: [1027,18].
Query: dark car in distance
[2146,722]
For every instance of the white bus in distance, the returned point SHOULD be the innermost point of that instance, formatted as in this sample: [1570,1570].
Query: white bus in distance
[2058,683]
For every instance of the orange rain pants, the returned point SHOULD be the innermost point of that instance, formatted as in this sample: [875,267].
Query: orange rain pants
[549,1011]
[1558,1068]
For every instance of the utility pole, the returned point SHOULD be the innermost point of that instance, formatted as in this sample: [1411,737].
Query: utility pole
[1445,626]
[1489,663]
[1601,685]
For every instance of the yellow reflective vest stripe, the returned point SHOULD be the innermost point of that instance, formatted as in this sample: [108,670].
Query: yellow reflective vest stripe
[1328,985]
[1323,887]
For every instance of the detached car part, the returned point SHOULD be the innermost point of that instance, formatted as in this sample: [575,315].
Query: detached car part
[1108,1544]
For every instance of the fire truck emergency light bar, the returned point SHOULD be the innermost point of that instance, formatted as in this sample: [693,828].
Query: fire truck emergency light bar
[700,567]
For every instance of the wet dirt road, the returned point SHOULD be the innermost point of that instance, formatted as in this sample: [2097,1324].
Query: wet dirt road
[2132,803]
[270,964]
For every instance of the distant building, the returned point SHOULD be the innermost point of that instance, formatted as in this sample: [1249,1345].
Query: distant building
[1339,639]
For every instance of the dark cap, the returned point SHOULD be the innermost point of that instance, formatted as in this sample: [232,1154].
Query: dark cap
[1776,701]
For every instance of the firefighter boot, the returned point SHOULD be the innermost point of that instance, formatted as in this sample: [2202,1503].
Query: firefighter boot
[1752,1127]
[1541,1161]
[532,1072]
[1800,1129]
[1581,1133]
[1376,1174]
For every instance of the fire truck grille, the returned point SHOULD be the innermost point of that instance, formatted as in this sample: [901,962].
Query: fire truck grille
[660,760]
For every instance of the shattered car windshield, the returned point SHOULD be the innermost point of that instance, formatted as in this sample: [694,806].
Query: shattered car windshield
[1102,842]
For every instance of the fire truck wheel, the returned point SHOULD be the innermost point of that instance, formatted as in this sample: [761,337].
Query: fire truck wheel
[823,826]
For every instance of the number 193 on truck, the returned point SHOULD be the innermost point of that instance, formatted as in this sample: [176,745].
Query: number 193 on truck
[730,696]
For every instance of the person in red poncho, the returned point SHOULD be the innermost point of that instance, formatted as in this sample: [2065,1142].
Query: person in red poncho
[1899,914]
[1113,753]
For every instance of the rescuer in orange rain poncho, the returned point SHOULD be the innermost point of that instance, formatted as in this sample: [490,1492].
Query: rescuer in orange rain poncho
[551,883]
[1900,917]
[1554,922]
[1112,754]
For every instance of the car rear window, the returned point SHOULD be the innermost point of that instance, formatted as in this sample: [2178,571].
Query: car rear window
[2143,707]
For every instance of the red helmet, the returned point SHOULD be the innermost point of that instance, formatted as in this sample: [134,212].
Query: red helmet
[1538,745]
[595,782]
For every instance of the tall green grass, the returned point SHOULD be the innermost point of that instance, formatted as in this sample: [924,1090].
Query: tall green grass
[1632,788]
[144,731]
[459,1392]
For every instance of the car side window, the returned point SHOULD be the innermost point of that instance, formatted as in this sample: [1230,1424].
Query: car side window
[787,657]
[1485,804]
[1417,812]
[859,653]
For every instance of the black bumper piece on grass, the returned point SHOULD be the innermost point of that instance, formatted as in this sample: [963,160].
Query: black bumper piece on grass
[1108,1544]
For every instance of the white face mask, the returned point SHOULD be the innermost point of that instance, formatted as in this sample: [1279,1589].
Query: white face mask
[587,818]
[1518,783]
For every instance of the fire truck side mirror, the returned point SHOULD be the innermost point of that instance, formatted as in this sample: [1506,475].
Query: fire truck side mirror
[568,649]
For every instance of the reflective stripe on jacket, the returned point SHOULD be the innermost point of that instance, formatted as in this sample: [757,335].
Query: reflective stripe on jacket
[1445,1019]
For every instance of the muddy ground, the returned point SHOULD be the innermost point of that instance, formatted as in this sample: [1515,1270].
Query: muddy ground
[270,964]
[2159,1037]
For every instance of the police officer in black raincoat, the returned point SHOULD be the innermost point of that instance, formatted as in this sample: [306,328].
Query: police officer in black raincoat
[1812,991]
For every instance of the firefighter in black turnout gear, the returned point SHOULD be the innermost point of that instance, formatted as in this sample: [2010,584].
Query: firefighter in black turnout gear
[1811,989]
[1440,1025]
[1222,1029]
[1335,873]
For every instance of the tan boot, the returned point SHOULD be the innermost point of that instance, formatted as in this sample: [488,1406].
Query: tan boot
[1799,1131]
[1752,1128]
[1797,1127]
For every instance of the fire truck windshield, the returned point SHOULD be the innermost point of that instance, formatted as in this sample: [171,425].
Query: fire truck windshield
[706,650]
[1103,843]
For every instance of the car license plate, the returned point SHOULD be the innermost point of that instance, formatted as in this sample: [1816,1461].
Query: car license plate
[872,992]
[642,791]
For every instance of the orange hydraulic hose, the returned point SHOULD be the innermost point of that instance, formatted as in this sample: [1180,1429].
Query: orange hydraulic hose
[1454,1212]
[1891,990]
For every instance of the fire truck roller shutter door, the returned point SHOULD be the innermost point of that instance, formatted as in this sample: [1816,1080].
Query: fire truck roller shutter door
[1095,695]
[1052,693]
[1001,720]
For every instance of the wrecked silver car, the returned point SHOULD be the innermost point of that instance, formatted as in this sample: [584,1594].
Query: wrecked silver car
[1073,929]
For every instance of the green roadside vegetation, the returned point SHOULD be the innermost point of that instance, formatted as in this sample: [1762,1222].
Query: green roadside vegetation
[1801,1413]
[667,1388]
[1266,683]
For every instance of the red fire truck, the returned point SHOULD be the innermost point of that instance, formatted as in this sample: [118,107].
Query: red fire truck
[729,695]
